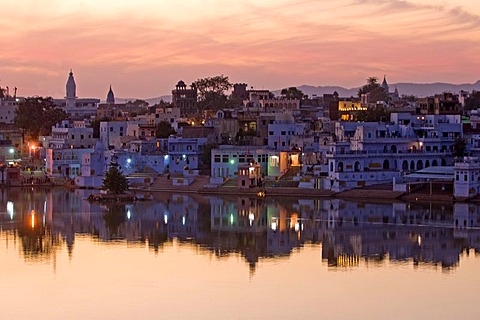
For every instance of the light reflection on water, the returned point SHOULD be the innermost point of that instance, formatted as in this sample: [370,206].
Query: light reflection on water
[236,257]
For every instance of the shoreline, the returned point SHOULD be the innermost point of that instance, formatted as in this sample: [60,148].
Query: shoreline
[371,194]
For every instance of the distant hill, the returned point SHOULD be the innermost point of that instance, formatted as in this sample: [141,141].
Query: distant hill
[151,101]
[404,88]
[416,89]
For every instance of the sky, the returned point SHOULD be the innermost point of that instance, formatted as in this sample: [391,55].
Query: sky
[144,47]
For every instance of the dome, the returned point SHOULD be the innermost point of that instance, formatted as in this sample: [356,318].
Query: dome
[181,84]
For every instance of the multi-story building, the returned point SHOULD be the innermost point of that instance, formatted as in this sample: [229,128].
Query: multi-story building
[185,153]
[66,147]
[282,130]
[372,153]
[445,103]
[185,99]
[227,158]
[111,133]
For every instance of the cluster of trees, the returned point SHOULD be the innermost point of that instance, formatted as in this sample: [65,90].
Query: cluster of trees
[374,90]
[35,116]
[292,93]
[473,102]
[212,93]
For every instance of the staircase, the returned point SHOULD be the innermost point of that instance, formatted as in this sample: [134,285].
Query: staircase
[291,172]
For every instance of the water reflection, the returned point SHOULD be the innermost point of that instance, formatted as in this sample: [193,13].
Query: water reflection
[44,221]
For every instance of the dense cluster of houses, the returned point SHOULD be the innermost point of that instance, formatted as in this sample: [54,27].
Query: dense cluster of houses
[318,141]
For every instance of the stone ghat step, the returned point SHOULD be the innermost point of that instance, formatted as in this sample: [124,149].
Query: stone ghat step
[370,193]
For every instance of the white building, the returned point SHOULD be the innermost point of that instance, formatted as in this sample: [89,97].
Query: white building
[227,158]
[280,133]
[111,133]
[467,178]
[8,106]
[373,153]
[66,147]
[184,153]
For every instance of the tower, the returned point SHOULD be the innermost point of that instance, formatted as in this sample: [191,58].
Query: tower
[185,99]
[71,92]
[110,96]
[385,84]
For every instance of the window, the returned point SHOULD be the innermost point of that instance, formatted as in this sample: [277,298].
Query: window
[81,136]
[111,129]
[217,158]
[283,133]
[225,158]
[73,136]
[270,133]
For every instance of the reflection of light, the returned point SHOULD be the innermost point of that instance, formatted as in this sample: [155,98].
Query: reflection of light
[297,226]
[165,157]
[231,218]
[419,240]
[129,160]
[184,156]
[251,169]
[165,218]
[11,150]
[251,216]
[10,210]
[274,224]
[183,220]
[232,161]
[129,214]
[33,219]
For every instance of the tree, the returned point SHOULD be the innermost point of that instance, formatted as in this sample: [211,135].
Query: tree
[36,116]
[114,217]
[292,93]
[164,130]
[206,155]
[374,90]
[459,147]
[95,124]
[211,92]
[138,103]
[473,101]
[115,181]
[375,114]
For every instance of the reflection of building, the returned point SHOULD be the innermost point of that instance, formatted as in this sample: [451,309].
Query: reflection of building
[350,232]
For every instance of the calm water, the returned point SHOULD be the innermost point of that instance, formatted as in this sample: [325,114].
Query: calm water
[181,257]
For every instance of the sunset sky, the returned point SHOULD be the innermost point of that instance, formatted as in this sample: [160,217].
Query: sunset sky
[143,47]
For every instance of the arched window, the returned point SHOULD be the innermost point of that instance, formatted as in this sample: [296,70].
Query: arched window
[405,165]
[427,164]
[340,166]
[434,163]
[419,165]
[386,164]
[412,165]
[357,166]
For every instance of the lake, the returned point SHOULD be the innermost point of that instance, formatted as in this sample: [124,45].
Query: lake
[209,257]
